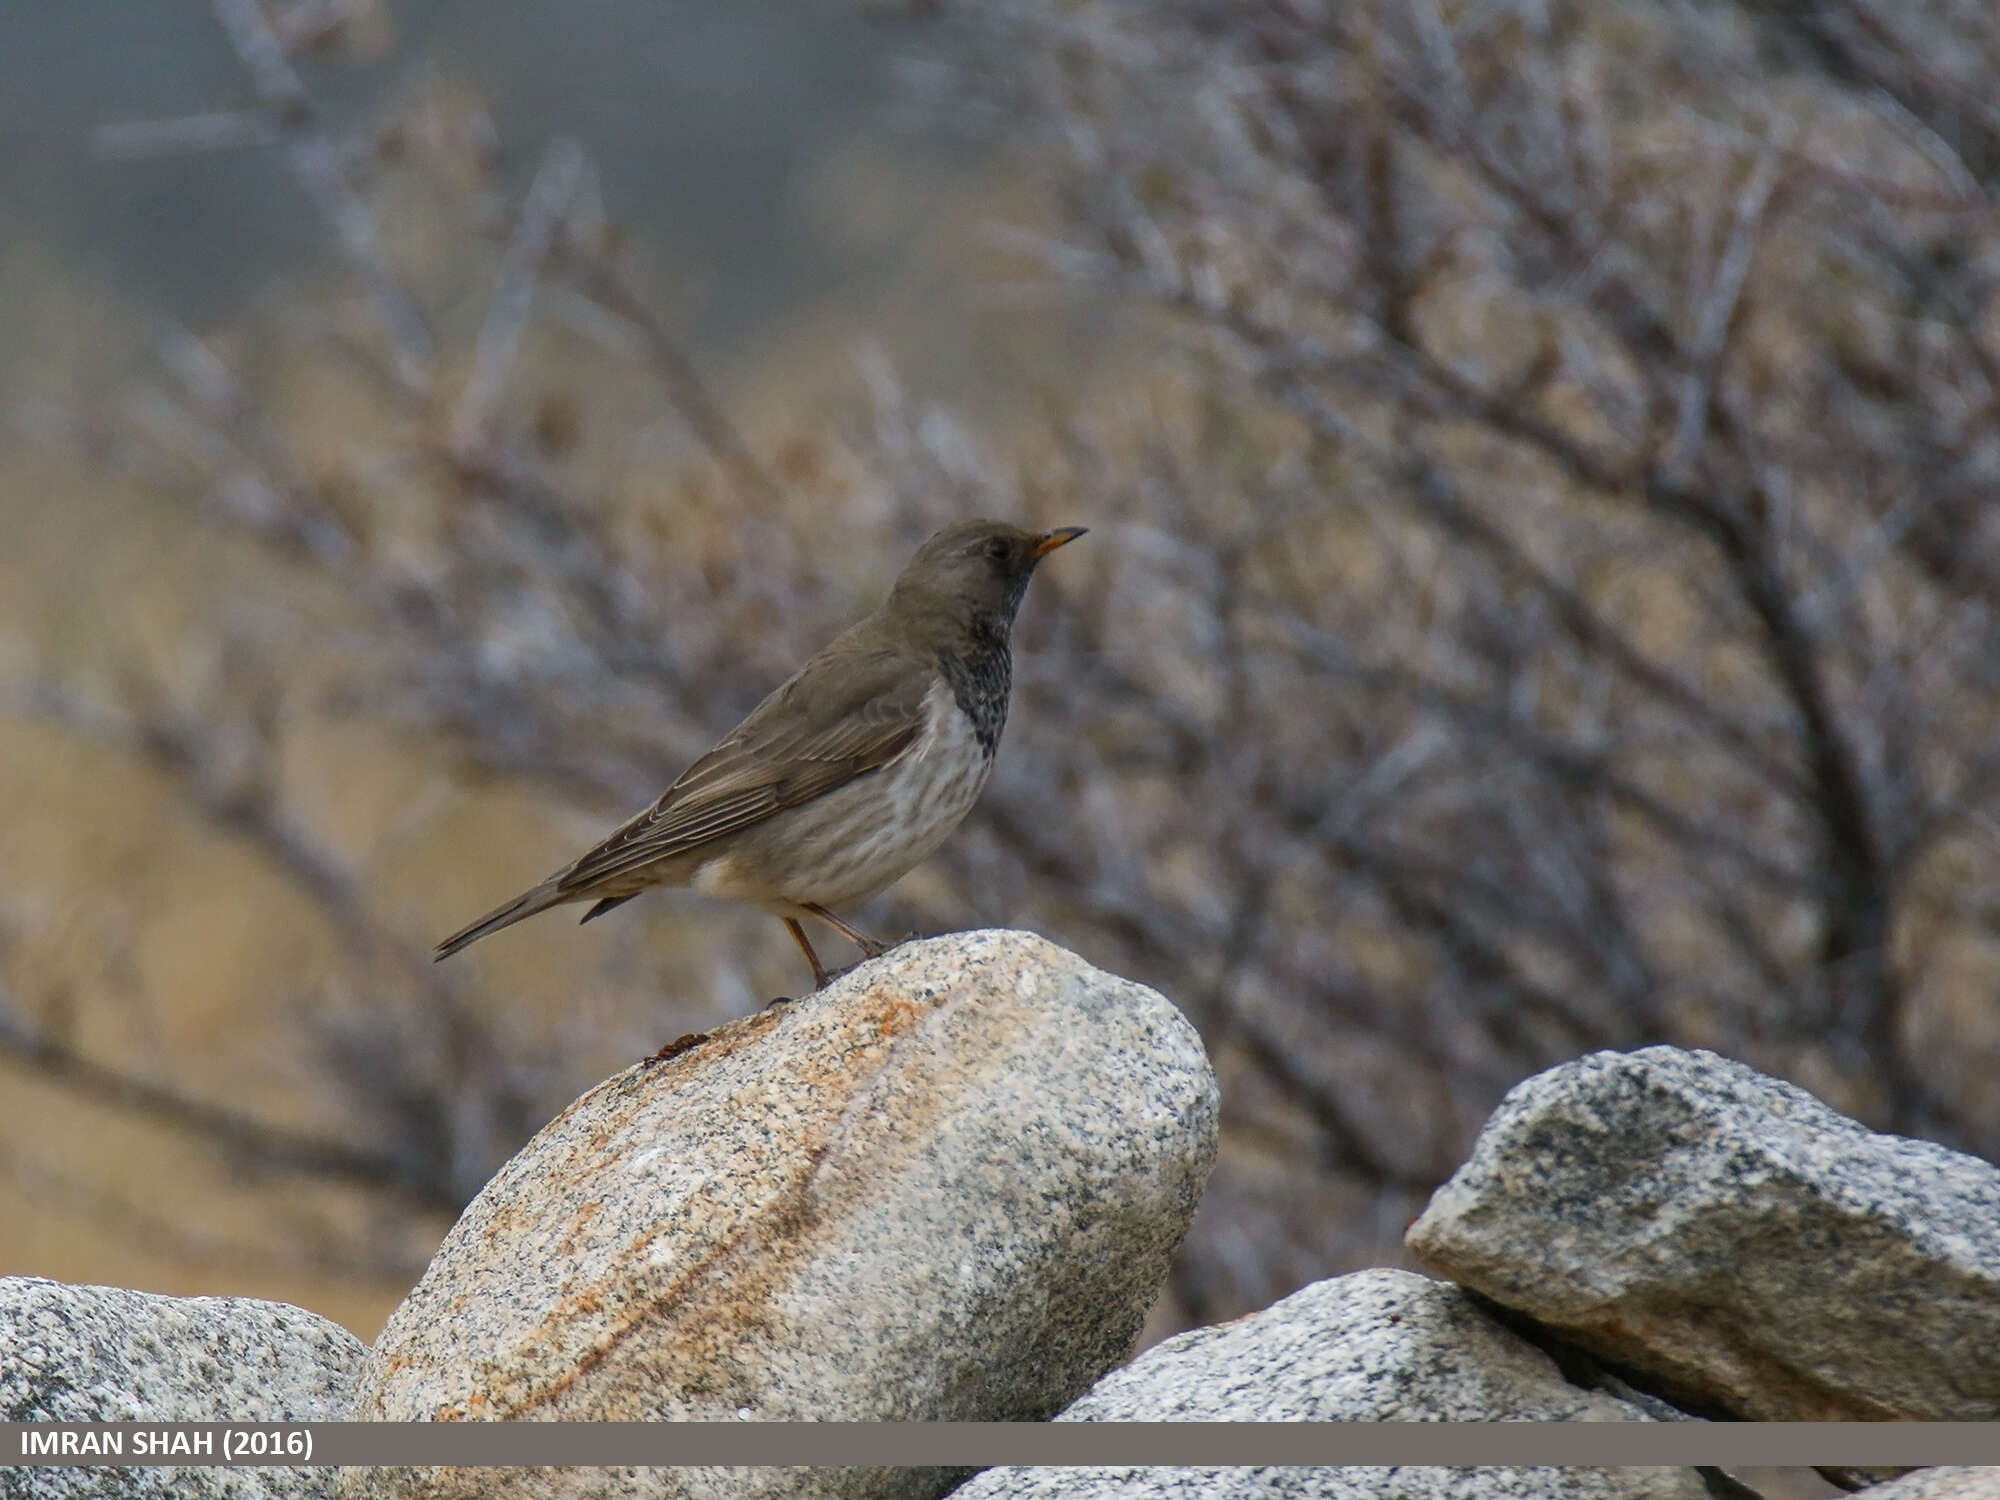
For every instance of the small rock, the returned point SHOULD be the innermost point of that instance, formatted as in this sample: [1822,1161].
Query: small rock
[1378,1346]
[104,1354]
[945,1187]
[1335,1482]
[1945,1482]
[1731,1243]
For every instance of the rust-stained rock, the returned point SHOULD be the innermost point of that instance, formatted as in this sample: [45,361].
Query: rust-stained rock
[946,1187]
[1731,1242]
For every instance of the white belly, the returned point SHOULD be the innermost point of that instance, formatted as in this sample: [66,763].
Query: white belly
[841,849]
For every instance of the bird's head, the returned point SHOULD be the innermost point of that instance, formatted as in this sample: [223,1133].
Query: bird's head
[976,570]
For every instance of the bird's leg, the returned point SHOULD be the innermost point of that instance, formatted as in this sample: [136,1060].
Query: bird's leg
[861,940]
[799,936]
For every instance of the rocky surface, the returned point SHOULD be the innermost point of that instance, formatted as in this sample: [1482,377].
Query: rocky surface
[1963,1482]
[1336,1482]
[948,1187]
[1731,1242]
[1378,1346]
[945,1187]
[103,1354]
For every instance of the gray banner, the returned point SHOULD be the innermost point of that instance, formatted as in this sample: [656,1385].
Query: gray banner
[987,1443]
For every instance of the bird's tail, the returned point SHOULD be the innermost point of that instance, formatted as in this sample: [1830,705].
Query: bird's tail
[541,898]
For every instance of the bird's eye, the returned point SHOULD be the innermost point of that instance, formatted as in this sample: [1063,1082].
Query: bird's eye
[997,549]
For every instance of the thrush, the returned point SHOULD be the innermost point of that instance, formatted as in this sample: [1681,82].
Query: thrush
[850,774]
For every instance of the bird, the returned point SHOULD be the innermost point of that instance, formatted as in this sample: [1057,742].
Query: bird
[850,774]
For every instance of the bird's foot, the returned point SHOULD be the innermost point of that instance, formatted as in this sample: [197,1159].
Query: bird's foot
[874,948]
[777,1000]
[869,946]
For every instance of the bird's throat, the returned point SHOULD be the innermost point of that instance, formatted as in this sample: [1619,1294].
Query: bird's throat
[980,674]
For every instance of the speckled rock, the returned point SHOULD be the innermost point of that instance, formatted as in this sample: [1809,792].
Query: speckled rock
[1378,1346]
[1731,1242]
[945,1187]
[1946,1482]
[104,1354]
[1335,1482]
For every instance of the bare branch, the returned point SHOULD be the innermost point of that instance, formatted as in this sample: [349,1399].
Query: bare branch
[601,281]
[541,218]
[1718,313]
[244,1138]
[224,130]
[317,163]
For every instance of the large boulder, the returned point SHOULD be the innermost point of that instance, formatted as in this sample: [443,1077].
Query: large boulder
[104,1354]
[1731,1243]
[1378,1346]
[945,1187]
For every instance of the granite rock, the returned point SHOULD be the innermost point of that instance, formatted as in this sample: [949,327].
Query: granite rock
[1377,1346]
[1729,1242]
[945,1187]
[103,1354]
[1945,1482]
[1335,1482]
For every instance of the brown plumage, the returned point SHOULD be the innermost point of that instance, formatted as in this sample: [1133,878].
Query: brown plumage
[848,775]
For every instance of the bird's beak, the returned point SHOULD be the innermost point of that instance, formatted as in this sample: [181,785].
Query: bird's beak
[1062,536]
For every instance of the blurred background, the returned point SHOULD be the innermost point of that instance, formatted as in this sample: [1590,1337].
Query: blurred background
[1541,589]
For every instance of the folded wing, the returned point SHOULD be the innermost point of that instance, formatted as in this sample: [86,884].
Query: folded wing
[793,747]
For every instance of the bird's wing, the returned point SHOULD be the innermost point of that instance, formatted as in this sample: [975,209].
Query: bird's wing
[814,734]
